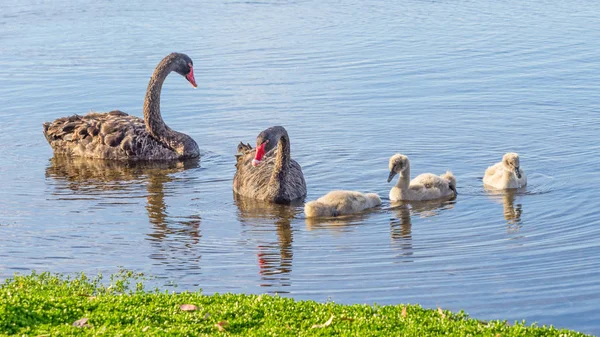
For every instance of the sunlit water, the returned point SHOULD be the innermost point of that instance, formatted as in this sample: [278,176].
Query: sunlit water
[452,84]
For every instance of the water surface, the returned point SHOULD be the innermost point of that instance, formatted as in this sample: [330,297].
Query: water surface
[451,84]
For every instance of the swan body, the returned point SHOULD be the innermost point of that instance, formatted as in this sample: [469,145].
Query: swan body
[336,203]
[268,172]
[506,174]
[426,186]
[116,135]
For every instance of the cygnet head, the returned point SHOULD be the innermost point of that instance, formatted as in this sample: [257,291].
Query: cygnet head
[398,163]
[511,162]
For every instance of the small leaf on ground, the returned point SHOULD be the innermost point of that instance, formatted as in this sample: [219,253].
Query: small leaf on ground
[326,324]
[188,307]
[441,312]
[80,323]
[222,325]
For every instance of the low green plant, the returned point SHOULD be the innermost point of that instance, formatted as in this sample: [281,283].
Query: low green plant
[54,305]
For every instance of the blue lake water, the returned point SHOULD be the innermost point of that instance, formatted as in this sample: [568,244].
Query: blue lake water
[452,84]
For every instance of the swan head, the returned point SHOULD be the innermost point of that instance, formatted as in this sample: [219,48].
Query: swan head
[184,66]
[512,163]
[266,141]
[398,163]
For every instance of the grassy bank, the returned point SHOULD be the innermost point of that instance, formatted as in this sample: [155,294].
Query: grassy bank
[51,305]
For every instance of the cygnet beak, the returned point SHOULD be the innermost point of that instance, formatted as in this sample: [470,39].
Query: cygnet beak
[391,176]
[453,189]
[518,172]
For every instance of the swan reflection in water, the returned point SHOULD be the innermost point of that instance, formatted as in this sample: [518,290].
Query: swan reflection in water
[122,182]
[340,224]
[401,224]
[512,212]
[259,220]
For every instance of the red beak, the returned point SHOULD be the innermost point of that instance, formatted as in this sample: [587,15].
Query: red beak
[190,77]
[260,153]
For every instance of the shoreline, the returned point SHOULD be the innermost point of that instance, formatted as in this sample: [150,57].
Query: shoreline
[48,304]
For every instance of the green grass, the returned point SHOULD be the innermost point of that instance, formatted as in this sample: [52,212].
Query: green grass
[47,305]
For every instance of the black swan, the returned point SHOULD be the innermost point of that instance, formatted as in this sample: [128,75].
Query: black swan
[269,173]
[118,136]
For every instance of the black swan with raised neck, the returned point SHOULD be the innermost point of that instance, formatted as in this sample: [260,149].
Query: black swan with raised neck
[116,135]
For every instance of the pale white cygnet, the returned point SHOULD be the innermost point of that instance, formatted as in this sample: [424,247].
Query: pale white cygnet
[337,203]
[505,174]
[426,186]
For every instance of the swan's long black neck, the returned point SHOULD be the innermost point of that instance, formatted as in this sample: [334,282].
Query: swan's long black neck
[152,117]
[180,143]
[282,161]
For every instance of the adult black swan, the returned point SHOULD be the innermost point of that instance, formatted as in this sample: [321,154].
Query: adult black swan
[268,172]
[116,135]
